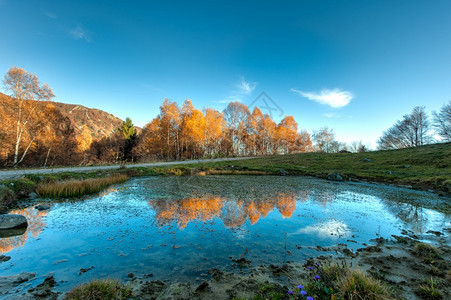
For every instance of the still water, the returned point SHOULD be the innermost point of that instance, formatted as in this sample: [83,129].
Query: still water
[177,228]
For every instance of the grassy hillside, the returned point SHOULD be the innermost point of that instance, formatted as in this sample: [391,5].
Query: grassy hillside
[426,167]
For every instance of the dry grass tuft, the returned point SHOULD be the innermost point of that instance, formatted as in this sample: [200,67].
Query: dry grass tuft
[74,188]
[100,290]
[356,285]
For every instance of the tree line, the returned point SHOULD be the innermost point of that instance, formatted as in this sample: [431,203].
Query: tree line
[34,132]
[416,129]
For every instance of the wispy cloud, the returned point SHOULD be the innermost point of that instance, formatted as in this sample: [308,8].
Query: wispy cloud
[229,99]
[240,91]
[153,88]
[80,33]
[335,98]
[49,15]
[245,87]
[330,115]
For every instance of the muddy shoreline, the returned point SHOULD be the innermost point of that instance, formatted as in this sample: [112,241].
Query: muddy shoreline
[394,261]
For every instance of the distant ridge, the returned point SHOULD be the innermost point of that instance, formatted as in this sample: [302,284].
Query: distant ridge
[99,122]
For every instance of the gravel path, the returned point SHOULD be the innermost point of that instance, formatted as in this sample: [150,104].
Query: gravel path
[5,174]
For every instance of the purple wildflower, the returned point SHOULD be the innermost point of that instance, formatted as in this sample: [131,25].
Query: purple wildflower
[318,264]
[309,298]
[317,277]
[310,268]
[290,292]
[301,287]
[303,293]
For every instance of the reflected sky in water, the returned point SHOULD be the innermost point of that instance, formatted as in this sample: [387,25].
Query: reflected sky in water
[177,228]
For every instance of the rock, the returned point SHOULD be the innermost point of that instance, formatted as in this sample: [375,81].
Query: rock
[130,275]
[44,290]
[242,261]
[335,177]
[370,249]
[12,221]
[41,207]
[436,233]
[282,172]
[4,258]
[367,160]
[406,166]
[32,195]
[7,283]
[85,270]
[202,287]
[60,261]
[348,252]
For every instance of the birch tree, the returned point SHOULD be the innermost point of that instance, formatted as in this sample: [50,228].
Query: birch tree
[28,92]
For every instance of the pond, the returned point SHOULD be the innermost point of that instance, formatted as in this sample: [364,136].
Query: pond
[177,228]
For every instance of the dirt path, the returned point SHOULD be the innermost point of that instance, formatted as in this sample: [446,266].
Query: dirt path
[5,174]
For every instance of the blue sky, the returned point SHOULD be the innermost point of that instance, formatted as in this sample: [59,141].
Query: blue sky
[354,66]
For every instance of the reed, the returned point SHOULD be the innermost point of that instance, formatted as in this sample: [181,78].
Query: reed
[75,188]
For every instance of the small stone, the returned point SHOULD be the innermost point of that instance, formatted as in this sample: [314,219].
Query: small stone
[130,275]
[41,207]
[32,195]
[4,258]
[367,160]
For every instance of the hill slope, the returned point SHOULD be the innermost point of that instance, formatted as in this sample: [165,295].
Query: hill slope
[99,122]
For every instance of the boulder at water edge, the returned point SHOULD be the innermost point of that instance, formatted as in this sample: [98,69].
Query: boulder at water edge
[335,177]
[12,221]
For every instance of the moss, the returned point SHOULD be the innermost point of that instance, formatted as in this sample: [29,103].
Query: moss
[100,290]
[7,199]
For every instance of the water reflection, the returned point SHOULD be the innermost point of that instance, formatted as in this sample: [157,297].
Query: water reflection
[232,212]
[35,226]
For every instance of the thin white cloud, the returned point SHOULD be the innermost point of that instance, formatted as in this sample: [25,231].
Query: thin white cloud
[240,91]
[49,15]
[330,115]
[229,99]
[335,98]
[79,33]
[245,87]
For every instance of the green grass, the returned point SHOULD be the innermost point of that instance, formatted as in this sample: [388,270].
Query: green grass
[100,290]
[75,188]
[426,167]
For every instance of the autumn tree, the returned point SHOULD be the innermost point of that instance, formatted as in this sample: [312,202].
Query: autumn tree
[192,136]
[214,131]
[325,140]
[411,131]
[169,123]
[236,117]
[254,142]
[84,140]
[57,137]
[28,91]
[442,122]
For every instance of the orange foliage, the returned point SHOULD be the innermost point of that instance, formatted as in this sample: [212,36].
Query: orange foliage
[232,213]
